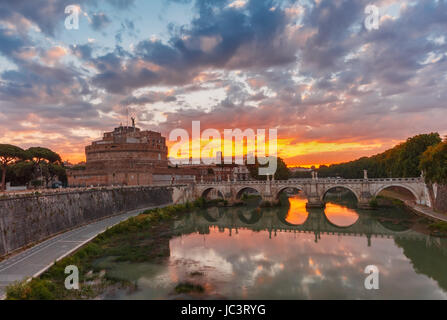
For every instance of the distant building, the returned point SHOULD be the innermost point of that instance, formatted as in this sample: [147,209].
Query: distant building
[218,172]
[241,173]
[300,169]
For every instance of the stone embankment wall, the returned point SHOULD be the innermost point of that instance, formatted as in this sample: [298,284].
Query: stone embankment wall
[440,201]
[28,219]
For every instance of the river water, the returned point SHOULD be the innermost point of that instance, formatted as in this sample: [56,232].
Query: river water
[294,253]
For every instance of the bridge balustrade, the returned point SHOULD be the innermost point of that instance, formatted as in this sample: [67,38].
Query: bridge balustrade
[320,180]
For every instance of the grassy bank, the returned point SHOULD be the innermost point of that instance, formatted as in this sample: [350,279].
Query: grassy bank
[438,228]
[139,239]
[386,202]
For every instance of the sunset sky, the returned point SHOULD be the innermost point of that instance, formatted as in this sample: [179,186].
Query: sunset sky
[334,90]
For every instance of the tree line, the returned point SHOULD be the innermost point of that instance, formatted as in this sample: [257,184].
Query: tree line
[36,166]
[423,152]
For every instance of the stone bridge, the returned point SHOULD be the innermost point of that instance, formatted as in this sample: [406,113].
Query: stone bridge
[315,189]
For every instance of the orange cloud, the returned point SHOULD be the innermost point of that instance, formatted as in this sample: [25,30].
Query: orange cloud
[54,54]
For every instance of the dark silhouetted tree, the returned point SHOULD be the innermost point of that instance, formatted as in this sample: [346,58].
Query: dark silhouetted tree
[8,155]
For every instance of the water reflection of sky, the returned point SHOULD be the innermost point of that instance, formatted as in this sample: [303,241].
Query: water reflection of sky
[250,265]
[339,215]
[292,266]
[297,213]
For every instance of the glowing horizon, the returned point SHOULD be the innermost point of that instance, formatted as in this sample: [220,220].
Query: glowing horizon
[285,150]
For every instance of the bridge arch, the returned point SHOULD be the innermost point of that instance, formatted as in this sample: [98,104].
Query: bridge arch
[281,189]
[326,190]
[399,185]
[206,192]
[241,190]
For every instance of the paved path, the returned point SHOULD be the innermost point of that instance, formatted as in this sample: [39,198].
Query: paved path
[422,210]
[35,260]
[427,211]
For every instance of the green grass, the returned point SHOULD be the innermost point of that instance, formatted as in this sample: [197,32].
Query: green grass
[250,196]
[385,201]
[187,287]
[438,226]
[35,290]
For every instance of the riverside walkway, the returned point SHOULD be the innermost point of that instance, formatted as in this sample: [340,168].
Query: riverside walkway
[34,261]
[423,210]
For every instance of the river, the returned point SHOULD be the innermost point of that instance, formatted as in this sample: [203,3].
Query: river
[294,253]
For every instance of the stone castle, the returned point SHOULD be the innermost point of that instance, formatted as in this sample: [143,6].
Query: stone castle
[124,156]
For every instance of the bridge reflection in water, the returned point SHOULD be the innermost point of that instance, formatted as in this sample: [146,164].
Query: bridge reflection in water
[339,215]
[335,219]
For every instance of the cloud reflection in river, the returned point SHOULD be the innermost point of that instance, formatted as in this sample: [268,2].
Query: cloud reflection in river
[253,263]
[293,266]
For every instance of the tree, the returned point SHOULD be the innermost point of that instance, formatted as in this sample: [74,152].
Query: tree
[20,172]
[54,170]
[44,159]
[281,173]
[8,155]
[39,154]
[434,163]
[411,152]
